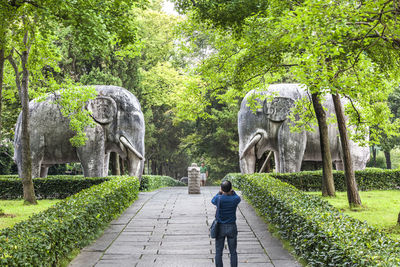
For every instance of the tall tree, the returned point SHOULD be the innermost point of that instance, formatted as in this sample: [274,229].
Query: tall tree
[33,25]
[387,143]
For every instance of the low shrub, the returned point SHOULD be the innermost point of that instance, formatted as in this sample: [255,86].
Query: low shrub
[318,232]
[52,187]
[152,182]
[368,179]
[62,186]
[72,223]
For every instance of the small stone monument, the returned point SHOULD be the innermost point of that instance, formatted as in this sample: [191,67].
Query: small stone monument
[194,179]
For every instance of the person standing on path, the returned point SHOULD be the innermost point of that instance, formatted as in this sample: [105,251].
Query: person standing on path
[228,202]
[203,174]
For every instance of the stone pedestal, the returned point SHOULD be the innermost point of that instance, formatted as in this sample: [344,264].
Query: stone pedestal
[194,179]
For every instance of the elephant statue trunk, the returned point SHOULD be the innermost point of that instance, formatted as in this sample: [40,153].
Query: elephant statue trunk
[253,142]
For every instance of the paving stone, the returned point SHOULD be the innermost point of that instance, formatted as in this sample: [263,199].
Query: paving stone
[124,219]
[86,258]
[286,263]
[247,250]
[114,228]
[188,227]
[156,238]
[133,238]
[255,258]
[185,244]
[116,262]
[178,256]
[192,232]
[125,248]
[278,253]
[121,257]
[183,251]
[134,228]
[173,264]
[252,264]
[102,243]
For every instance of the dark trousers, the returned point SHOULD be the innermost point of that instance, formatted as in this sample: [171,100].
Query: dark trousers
[229,231]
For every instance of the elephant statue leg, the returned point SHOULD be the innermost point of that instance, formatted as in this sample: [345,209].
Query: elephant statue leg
[339,165]
[291,149]
[36,169]
[44,169]
[106,164]
[92,163]
[37,152]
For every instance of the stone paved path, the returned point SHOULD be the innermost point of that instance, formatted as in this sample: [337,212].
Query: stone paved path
[169,227]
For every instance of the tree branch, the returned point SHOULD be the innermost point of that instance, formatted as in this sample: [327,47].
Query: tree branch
[355,108]
[17,75]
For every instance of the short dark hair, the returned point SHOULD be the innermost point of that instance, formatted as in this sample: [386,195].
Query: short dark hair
[226,186]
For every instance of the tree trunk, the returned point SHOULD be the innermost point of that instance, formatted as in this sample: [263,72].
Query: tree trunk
[388,160]
[122,166]
[373,155]
[328,185]
[29,191]
[2,60]
[351,184]
[160,169]
[115,169]
[153,167]
[398,219]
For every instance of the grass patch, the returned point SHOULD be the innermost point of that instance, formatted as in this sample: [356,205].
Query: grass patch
[15,210]
[380,209]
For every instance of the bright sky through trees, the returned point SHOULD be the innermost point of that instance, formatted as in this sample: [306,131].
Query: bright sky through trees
[168,8]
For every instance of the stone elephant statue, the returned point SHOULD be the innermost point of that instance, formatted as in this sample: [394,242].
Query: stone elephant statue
[268,130]
[119,127]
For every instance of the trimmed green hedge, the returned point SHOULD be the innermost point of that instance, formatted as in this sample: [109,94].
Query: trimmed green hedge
[72,223]
[318,232]
[62,186]
[56,186]
[368,179]
[152,182]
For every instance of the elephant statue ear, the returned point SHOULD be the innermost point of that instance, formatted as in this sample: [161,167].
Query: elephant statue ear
[278,109]
[103,109]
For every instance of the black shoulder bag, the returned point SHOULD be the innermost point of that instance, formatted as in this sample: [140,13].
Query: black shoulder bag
[214,225]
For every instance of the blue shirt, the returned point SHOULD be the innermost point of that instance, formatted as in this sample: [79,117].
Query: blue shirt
[227,207]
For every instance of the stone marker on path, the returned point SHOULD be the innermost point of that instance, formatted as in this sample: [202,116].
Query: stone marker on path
[194,179]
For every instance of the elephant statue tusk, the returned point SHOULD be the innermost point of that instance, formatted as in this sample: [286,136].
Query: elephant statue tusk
[126,143]
[251,144]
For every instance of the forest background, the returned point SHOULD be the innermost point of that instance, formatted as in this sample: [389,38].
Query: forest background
[177,68]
